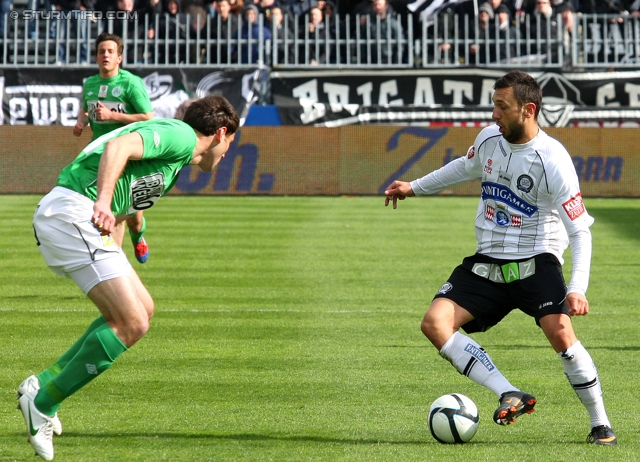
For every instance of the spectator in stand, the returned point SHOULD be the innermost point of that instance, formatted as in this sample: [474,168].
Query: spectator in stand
[251,30]
[298,8]
[196,9]
[545,20]
[173,27]
[495,4]
[386,27]
[567,12]
[132,33]
[316,25]
[265,7]
[614,50]
[620,7]
[507,33]
[334,23]
[529,6]
[78,29]
[42,5]
[314,51]
[154,9]
[212,9]
[480,51]
[237,7]
[284,35]
[5,8]
[223,30]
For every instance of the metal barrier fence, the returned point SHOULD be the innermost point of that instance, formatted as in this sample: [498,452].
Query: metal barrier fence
[360,41]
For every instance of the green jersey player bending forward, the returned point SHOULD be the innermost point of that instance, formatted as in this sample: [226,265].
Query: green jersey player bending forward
[127,169]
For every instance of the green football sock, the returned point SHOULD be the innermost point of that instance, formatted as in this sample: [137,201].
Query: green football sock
[99,350]
[135,237]
[47,375]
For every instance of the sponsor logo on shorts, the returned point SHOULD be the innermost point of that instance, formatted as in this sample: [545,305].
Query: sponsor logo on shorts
[574,207]
[480,356]
[542,305]
[446,287]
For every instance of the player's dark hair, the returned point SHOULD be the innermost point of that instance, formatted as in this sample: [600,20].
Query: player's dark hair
[210,113]
[526,89]
[179,114]
[105,37]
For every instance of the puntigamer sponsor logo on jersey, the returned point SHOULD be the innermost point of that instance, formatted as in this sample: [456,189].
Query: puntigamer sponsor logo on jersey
[574,207]
[501,193]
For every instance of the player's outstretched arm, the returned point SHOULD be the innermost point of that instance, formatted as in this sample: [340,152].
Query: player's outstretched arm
[397,190]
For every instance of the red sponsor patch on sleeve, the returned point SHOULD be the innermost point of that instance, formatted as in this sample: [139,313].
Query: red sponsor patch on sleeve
[471,152]
[574,207]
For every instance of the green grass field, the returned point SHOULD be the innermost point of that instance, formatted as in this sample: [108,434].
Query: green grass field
[287,328]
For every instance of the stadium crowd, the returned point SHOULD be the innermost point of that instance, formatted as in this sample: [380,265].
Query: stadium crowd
[323,20]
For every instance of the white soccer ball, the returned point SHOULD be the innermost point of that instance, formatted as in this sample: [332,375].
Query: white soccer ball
[453,419]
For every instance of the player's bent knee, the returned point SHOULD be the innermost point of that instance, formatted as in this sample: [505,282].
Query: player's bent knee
[430,328]
[131,332]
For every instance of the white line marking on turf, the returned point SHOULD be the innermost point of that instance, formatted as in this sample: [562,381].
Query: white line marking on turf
[175,310]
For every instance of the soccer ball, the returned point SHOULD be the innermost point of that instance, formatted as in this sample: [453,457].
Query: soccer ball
[453,419]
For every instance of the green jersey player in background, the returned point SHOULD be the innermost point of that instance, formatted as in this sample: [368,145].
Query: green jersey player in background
[123,171]
[111,99]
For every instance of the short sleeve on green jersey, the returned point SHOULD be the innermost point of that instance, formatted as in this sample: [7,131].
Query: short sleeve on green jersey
[167,140]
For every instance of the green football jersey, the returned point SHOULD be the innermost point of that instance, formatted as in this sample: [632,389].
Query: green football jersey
[168,146]
[124,93]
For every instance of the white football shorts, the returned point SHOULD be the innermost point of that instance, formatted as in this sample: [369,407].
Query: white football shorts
[69,243]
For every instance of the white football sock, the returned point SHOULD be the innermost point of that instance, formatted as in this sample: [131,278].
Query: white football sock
[471,360]
[583,377]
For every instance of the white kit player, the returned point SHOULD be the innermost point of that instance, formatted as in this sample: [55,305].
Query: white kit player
[530,209]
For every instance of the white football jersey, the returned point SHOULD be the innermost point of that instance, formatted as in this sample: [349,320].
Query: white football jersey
[530,194]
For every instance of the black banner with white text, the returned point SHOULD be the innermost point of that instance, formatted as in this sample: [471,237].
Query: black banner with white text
[460,97]
[51,96]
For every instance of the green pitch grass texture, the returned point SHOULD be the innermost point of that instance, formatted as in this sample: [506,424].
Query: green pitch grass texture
[288,329]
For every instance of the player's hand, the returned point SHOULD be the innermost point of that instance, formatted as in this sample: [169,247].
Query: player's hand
[102,112]
[103,219]
[77,129]
[397,190]
[578,304]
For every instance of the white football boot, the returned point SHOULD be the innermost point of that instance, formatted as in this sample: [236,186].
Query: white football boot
[39,426]
[31,383]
